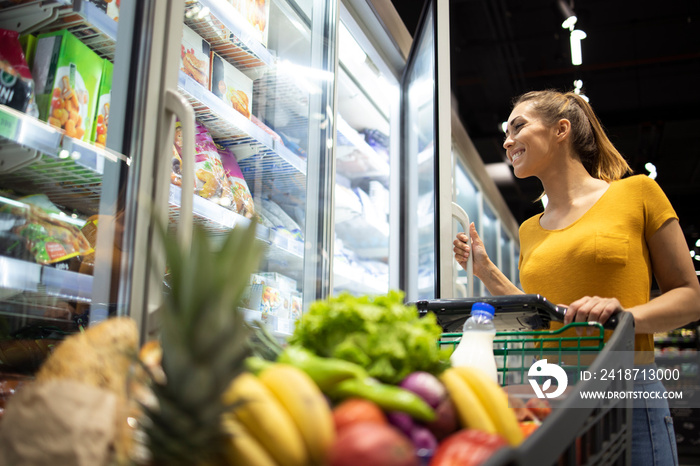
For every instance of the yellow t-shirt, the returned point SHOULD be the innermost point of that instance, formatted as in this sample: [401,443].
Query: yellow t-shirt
[603,253]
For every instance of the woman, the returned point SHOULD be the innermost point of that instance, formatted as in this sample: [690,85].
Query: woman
[597,242]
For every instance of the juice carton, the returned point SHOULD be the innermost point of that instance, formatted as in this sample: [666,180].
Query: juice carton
[231,86]
[99,131]
[67,77]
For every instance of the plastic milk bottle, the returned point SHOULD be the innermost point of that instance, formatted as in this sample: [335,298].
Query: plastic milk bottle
[475,349]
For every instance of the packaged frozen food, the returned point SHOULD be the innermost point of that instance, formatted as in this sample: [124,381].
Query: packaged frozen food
[99,132]
[28,43]
[194,56]
[176,168]
[242,199]
[210,178]
[257,14]
[47,237]
[67,75]
[16,84]
[110,7]
[231,86]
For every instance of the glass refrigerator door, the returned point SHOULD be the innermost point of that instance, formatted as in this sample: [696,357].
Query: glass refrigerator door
[426,160]
[367,99]
[259,75]
[64,178]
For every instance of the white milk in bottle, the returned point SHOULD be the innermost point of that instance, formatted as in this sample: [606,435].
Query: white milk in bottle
[475,349]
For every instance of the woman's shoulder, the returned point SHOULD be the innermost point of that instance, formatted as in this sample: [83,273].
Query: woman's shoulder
[636,181]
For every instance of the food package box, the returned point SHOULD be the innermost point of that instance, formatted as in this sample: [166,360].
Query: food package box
[67,76]
[194,56]
[99,131]
[283,282]
[28,43]
[231,85]
[296,306]
[242,198]
[257,15]
[110,7]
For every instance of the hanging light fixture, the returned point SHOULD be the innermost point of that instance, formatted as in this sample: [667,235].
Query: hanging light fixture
[569,15]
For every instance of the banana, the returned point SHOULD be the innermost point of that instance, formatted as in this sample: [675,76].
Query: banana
[241,448]
[265,418]
[472,414]
[495,400]
[304,401]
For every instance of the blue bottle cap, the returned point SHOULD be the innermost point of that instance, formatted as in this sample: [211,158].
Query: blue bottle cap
[483,308]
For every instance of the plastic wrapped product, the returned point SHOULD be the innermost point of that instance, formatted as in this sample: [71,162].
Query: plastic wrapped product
[242,198]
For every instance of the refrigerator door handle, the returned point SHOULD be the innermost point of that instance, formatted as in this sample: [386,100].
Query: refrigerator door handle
[177,105]
[461,216]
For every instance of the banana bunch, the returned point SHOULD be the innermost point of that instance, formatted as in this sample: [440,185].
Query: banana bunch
[481,403]
[277,418]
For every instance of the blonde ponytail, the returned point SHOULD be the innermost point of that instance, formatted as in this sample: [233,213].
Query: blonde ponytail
[589,141]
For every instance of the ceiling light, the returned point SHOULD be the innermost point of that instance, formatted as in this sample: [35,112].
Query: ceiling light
[576,37]
[651,168]
[504,126]
[569,15]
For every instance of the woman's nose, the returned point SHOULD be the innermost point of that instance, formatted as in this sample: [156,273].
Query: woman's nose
[507,142]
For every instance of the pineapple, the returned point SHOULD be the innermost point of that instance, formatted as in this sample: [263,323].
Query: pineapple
[204,342]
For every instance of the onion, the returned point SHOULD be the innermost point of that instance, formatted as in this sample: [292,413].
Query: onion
[425,385]
[401,421]
[423,439]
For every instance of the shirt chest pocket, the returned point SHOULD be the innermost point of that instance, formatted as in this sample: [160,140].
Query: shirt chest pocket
[611,248]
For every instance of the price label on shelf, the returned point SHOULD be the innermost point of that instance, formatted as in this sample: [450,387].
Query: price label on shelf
[8,126]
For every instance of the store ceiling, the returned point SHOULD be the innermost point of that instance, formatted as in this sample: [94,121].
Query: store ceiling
[641,71]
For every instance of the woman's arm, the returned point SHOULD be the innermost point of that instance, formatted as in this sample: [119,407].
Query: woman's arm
[679,303]
[494,280]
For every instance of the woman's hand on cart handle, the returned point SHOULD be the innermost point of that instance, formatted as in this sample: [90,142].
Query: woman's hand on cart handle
[593,309]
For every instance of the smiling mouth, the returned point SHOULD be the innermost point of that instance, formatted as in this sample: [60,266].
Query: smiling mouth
[516,155]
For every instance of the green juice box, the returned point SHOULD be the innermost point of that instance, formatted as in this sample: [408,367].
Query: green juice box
[99,130]
[67,76]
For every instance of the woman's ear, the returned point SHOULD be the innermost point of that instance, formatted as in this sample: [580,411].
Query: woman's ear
[563,129]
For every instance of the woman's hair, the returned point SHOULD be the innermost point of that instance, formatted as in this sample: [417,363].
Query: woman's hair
[597,154]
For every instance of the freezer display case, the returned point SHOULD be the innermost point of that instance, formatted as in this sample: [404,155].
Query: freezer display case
[427,266]
[86,165]
[62,185]
[259,76]
[367,97]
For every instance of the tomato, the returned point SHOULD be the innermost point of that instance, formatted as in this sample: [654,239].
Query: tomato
[538,407]
[372,444]
[354,410]
[468,447]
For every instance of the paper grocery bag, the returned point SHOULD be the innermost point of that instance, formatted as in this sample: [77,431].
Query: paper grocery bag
[59,422]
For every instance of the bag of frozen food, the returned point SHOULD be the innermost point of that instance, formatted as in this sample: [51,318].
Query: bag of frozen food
[209,176]
[48,238]
[16,83]
[242,199]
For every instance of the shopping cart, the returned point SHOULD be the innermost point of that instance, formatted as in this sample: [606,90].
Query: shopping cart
[597,432]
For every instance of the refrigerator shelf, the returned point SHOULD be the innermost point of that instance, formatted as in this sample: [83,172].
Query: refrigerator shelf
[17,276]
[67,170]
[217,219]
[261,158]
[84,19]
[227,33]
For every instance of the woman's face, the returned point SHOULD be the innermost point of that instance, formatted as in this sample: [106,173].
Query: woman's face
[529,143]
